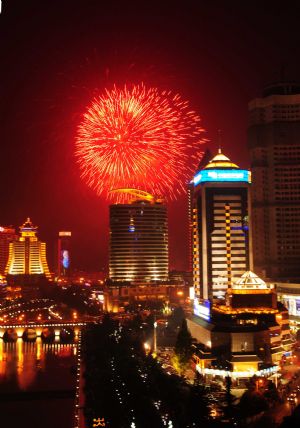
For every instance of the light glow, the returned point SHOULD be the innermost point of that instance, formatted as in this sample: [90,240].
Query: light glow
[217,175]
[238,374]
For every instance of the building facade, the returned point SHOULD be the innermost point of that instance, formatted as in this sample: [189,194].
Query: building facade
[64,254]
[138,249]
[7,235]
[274,144]
[221,240]
[248,334]
[27,255]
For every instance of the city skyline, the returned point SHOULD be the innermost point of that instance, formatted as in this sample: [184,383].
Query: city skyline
[150,214]
[219,57]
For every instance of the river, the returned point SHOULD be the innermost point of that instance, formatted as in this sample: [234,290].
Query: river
[37,384]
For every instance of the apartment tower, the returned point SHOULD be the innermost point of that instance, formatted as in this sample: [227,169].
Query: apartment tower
[274,144]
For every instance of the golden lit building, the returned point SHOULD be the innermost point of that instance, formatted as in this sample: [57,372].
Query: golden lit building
[219,208]
[27,255]
[248,334]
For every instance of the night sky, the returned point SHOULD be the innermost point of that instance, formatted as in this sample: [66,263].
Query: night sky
[57,54]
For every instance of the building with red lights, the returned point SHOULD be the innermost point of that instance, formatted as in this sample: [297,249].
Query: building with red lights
[7,235]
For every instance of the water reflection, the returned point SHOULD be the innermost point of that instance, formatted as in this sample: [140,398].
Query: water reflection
[33,369]
[22,362]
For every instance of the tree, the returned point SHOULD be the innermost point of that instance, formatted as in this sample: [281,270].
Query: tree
[176,318]
[183,346]
[252,403]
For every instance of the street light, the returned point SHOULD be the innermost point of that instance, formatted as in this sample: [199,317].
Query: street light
[154,338]
[147,347]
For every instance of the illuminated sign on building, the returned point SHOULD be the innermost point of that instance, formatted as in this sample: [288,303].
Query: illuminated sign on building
[202,310]
[231,175]
[65,259]
[63,233]
[292,303]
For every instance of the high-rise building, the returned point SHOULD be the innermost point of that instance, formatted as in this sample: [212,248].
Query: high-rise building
[27,255]
[221,240]
[274,143]
[139,240]
[7,235]
[64,254]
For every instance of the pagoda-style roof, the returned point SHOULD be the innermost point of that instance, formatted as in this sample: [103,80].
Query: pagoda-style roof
[249,280]
[220,161]
[28,230]
[27,225]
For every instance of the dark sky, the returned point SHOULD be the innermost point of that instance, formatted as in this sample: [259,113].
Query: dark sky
[56,54]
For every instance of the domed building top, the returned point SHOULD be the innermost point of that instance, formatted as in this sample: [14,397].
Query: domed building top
[249,280]
[221,169]
[220,161]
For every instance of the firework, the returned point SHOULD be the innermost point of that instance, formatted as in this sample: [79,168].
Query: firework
[138,138]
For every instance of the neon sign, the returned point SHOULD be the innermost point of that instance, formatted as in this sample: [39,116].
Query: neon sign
[202,310]
[237,175]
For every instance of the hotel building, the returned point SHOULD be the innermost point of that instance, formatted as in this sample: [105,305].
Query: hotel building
[138,249]
[221,240]
[274,144]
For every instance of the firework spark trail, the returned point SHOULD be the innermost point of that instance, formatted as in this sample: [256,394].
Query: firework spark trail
[140,138]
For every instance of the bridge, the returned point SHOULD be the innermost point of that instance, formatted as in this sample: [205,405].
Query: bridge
[33,330]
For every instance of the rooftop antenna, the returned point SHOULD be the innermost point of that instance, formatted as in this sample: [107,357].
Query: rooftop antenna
[219,141]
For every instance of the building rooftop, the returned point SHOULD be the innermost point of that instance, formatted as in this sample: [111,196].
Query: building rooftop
[281,88]
[220,161]
[27,225]
[245,358]
[249,280]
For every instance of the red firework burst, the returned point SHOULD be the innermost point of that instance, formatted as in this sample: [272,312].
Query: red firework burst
[138,138]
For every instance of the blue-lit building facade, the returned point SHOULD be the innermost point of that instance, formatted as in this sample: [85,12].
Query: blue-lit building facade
[221,239]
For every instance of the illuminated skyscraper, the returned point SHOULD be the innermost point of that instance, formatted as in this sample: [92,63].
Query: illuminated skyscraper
[274,143]
[221,240]
[63,253]
[27,255]
[139,241]
[7,235]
